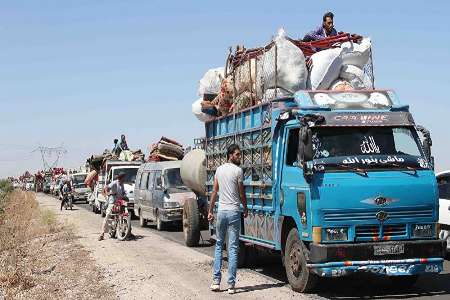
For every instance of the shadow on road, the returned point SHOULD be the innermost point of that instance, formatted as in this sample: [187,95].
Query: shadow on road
[355,286]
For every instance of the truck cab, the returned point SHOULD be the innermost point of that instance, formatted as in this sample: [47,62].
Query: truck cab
[337,182]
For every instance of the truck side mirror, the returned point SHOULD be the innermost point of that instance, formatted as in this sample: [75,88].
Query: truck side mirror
[305,152]
[305,145]
[425,138]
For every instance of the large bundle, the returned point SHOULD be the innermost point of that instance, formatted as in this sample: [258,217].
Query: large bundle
[283,67]
[193,171]
[166,150]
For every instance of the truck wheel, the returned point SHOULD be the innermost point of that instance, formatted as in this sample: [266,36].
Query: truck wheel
[142,221]
[242,256]
[191,223]
[403,282]
[160,225]
[299,277]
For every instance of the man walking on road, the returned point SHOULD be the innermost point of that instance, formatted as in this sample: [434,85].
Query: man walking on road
[228,182]
[115,190]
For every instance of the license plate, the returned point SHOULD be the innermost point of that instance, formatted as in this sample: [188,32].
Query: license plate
[389,249]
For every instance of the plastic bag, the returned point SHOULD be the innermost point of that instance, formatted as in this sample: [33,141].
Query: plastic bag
[211,81]
[197,110]
[325,69]
[356,54]
[291,72]
[354,75]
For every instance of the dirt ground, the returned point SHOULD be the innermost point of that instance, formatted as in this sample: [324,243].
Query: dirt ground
[151,267]
[41,258]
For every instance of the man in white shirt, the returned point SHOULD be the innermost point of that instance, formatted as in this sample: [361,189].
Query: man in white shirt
[115,190]
[228,183]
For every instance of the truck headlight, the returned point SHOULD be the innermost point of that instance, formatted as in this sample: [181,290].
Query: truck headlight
[171,204]
[336,234]
[422,230]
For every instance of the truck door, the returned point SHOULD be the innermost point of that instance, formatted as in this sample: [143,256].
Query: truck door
[294,188]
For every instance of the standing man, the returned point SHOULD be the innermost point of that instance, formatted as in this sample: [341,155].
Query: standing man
[115,190]
[228,182]
[323,31]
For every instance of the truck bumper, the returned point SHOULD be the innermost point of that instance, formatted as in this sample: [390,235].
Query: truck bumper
[171,214]
[418,257]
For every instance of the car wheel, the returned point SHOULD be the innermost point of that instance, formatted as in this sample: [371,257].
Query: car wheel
[142,221]
[160,225]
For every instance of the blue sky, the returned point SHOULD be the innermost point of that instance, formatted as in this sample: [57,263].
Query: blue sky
[83,72]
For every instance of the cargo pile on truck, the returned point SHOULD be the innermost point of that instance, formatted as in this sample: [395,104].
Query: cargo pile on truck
[281,68]
[165,150]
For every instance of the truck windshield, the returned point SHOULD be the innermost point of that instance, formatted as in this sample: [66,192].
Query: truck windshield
[368,147]
[172,178]
[130,174]
[78,180]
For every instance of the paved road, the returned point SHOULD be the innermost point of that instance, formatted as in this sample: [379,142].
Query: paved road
[353,287]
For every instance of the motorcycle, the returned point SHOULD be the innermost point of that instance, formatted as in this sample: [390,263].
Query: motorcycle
[120,220]
[68,197]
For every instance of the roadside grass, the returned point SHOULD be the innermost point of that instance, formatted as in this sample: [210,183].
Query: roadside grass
[21,221]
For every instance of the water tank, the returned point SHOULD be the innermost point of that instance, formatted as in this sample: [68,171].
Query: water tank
[193,171]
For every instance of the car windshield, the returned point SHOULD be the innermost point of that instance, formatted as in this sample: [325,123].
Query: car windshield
[130,174]
[368,147]
[172,178]
[444,187]
[78,180]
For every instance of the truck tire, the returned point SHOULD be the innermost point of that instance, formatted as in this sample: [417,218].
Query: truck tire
[295,257]
[191,223]
[242,256]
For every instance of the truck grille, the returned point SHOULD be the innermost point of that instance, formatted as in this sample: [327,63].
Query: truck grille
[336,216]
[380,232]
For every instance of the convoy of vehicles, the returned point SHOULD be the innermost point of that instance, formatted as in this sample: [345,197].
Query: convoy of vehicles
[337,182]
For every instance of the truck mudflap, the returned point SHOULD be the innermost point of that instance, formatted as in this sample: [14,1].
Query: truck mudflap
[399,267]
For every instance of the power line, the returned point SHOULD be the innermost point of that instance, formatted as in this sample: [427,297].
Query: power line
[50,152]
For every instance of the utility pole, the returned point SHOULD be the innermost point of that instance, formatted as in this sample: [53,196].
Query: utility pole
[49,152]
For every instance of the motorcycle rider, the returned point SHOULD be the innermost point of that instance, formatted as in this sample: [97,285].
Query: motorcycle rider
[65,189]
[115,190]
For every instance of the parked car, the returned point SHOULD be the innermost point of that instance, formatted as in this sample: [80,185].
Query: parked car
[159,193]
[443,179]
[80,190]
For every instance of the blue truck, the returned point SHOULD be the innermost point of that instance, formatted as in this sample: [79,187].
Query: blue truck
[337,182]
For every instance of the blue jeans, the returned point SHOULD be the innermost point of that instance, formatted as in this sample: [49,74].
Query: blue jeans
[227,220]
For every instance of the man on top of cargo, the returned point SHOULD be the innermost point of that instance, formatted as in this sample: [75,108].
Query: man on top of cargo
[228,182]
[323,31]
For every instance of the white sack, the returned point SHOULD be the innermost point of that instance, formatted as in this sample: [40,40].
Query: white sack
[292,71]
[354,75]
[326,65]
[269,94]
[210,82]
[356,54]
[197,110]
[341,85]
